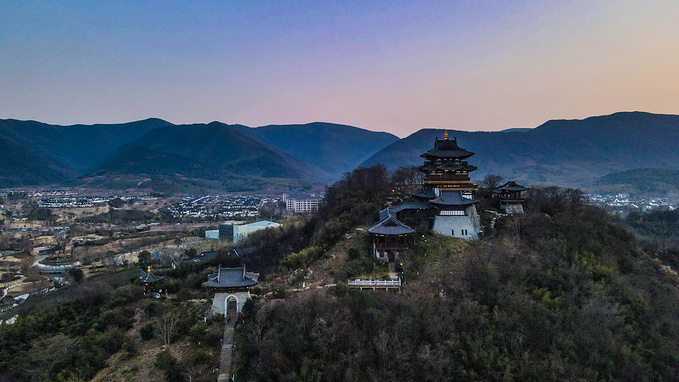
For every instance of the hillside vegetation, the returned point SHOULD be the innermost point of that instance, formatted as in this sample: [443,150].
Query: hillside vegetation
[646,181]
[21,165]
[563,292]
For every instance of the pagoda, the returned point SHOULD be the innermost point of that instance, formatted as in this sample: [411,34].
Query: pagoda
[148,279]
[511,197]
[232,288]
[446,199]
[446,168]
[448,190]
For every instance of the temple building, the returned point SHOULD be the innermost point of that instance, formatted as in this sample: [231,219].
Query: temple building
[511,197]
[148,279]
[390,237]
[446,200]
[232,288]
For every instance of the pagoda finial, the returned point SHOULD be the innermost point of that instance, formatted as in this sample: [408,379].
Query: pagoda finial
[148,269]
[445,135]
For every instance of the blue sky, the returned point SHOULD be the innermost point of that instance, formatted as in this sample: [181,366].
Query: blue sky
[392,66]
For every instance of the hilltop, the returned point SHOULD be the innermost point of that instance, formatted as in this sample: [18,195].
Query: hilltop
[563,292]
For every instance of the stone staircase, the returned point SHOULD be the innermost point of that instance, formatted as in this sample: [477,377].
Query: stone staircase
[227,354]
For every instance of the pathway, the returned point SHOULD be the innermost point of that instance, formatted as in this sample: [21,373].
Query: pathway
[392,271]
[5,290]
[226,357]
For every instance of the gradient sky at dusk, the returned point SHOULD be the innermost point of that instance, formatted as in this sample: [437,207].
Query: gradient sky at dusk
[387,65]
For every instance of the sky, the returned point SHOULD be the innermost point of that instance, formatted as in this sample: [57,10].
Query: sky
[395,66]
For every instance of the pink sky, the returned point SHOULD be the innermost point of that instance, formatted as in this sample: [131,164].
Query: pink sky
[398,67]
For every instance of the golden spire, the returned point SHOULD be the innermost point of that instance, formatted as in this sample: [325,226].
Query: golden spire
[149,269]
[445,135]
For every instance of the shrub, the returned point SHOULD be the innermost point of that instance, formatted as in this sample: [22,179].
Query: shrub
[168,365]
[147,332]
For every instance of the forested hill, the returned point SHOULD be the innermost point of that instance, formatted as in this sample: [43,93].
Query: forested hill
[563,152]
[80,147]
[185,158]
[563,292]
[646,181]
[21,165]
[334,148]
[213,155]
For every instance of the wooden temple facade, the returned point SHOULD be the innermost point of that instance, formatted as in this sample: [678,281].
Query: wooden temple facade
[511,197]
[390,237]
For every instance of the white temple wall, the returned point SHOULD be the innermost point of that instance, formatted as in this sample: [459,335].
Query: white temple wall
[219,301]
[464,227]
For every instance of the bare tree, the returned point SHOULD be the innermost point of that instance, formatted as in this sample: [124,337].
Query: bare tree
[382,347]
[167,326]
[48,353]
[491,181]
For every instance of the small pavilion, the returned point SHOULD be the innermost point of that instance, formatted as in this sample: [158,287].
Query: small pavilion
[148,279]
[232,288]
[390,237]
[511,197]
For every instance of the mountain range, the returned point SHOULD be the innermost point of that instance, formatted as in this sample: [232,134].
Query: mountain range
[564,152]
[156,154]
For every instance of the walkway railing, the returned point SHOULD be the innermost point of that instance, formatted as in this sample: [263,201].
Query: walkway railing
[375,283]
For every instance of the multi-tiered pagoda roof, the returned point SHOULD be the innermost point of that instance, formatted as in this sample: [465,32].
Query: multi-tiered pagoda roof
[447,149]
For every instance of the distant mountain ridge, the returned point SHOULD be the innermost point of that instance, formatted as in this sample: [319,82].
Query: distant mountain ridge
[217,156]
[565,152]
[206,148]
[80,147]
[334,148]
[211,157]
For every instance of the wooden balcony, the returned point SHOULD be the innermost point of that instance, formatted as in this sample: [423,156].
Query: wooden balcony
[447,178]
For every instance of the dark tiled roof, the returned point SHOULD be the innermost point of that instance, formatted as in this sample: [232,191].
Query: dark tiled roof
[204,256]
[510,186]
[426,192]
[148,277]
[452,198]
[446,148]
[450,166]
[231,278]
[242,251]
[402,207]
[390,226]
